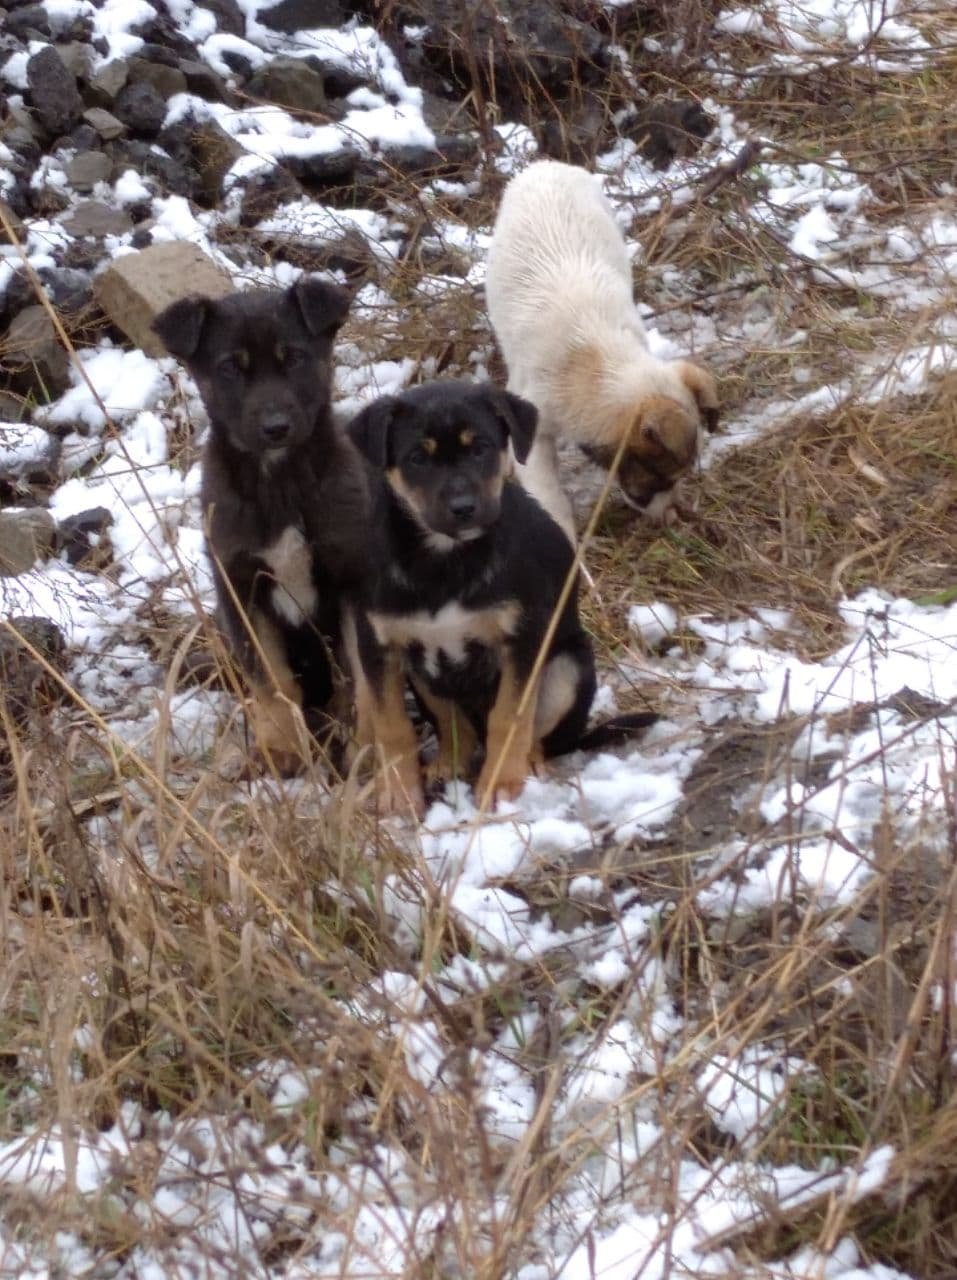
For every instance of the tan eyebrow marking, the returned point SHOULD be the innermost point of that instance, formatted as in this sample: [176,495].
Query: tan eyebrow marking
[466,437]
[242,359]
[429,445]
[281,352]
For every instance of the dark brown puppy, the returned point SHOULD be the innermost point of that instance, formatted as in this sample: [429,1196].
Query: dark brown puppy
[284,495]
[466,573]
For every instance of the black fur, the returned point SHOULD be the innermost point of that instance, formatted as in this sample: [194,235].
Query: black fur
[508,549]
[273,460]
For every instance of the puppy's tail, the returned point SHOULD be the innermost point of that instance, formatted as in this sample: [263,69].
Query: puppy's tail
[610,733]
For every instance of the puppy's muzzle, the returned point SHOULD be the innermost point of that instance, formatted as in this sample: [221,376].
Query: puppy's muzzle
[275,429]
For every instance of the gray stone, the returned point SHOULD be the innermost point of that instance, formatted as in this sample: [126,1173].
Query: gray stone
[82,538]
[54,96]
[142,107]
[203,81]
[32,351]
[291,83]
[87,168]
[109,80]
[15,224]
[93,218]
[28,22]
[77,58]
[214,153]
[229,16]
[167,81]
[105,123]
[26,536]
[138,286]
[291,16]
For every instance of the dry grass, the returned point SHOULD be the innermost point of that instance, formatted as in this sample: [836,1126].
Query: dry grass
[166,935]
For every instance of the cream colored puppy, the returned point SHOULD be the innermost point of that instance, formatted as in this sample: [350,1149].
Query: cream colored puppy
[560,300]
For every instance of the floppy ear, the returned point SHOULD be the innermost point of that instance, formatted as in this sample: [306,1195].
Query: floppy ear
[519,418]
[369,430]
[322,305]
[704,389]
[180,326]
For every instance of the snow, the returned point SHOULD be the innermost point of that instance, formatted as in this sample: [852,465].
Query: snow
[635,1201]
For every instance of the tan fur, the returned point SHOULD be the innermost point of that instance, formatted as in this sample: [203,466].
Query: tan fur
[382,723]
[510,748]
[275,714]
[457,740]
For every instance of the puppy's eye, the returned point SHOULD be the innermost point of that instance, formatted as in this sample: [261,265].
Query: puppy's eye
[480,447]
[417,457]
[233,366]
[295,358]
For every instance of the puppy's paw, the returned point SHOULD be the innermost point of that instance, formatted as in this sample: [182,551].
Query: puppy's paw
[508,786]
[398,797]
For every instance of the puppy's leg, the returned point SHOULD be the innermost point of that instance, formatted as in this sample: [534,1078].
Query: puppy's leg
[275,711]
[456,737]
[540,477]
[510,737]
[383,724]
[565,698]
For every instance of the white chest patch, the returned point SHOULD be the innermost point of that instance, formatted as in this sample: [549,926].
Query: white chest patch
[448,632]
[289,559]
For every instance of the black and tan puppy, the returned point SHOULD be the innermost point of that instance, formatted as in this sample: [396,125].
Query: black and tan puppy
[465,574]
[284,496]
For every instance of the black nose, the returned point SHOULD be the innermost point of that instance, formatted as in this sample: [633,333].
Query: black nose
[275,428]
[462,506]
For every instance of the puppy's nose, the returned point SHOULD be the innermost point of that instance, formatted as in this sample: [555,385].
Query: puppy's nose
[274,428]
[462,506]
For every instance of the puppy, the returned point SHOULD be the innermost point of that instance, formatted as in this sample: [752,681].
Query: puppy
[560,301]
[284,495]
[466,571]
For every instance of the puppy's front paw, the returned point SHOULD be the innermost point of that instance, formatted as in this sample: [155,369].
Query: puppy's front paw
[508,786]
[400,796]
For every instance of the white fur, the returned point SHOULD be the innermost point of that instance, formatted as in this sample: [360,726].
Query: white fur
[294,596]
[559,280]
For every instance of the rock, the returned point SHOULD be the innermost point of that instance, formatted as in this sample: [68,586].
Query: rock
[291,16]
[84,138]
[68,288]
[229,16]
[579,133]
[27,453]
[8,217]
[26,684]
[82,538]
[54,96]
[32,351]
[326,168]
[105,123]
[206,149]
[108,81]
[237,62]
[29,23]
[26,536]
[264,191]
[666,130]
[203,82]
[166,80]
[141,107]
[138,286]
[77,58]
[93,218]
[87,168]
[291,83]
[150,161]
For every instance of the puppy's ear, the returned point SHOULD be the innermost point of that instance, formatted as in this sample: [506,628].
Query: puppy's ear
[369,430]
[703,387]
[517,416]
[180,326]
[322,305]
